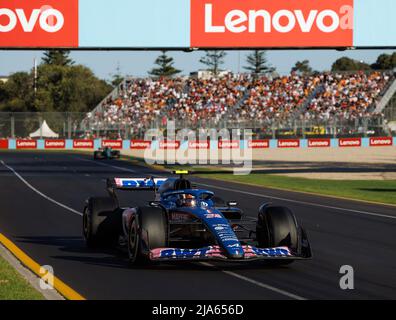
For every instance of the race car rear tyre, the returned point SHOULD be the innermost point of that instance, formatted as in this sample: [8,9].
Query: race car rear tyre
[96,153]
[277,227]
[101,222]
[148,230]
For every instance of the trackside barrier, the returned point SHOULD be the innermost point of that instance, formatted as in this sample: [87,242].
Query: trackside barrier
[65,144]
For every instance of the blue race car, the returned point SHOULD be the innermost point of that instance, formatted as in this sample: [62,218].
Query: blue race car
[186,223]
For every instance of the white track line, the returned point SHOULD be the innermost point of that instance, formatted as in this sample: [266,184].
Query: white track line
[107,165]
[257,283]
[38,191]
[300,202]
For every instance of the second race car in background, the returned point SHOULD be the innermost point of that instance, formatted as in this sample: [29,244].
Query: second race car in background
[106,153]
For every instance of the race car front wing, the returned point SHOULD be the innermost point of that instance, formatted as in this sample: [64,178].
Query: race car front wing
[217,253]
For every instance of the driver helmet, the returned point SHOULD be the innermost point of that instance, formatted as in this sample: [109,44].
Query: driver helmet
[187,200]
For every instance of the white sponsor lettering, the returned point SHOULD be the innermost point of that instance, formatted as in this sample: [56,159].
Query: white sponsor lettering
[238,21]
[50,20]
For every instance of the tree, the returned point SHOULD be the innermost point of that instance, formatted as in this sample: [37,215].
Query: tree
[347,64]
[302,67]
[117,77]
[59,88]
[385,62]
[257,63]
[213,60]
[165,68]
[57,57]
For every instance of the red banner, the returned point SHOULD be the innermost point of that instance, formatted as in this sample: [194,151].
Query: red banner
[319,143]
[83,144]
[171,145]
[258,144]
[198,144]
[39,23]
[349,142]
[4,144]
[289,143]
[140,144]
[269,23]
[26,144]
[55,144]
[114,144]
[228,144]
[381,142]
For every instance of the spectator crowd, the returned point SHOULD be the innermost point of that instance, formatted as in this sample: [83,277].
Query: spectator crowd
[143,103]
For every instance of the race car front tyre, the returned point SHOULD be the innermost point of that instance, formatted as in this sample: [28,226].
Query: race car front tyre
[277,227]
[101,222]
[148,230]
[96,155]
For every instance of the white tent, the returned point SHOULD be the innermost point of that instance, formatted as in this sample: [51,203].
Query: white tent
[45,132]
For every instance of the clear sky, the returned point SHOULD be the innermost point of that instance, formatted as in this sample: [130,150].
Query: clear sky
[137,63]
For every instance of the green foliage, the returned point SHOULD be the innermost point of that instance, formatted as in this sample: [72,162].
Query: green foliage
[213,60]
[302,67]
[385,62]
[165,68]
[257,63]
[348,64]
[57,57]
[59,88]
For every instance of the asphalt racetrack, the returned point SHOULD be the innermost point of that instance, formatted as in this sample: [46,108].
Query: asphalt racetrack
[43,194]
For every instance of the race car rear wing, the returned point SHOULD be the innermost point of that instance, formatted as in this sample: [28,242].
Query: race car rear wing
[135,183]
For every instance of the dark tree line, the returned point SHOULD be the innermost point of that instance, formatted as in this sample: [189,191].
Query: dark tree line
[60,86]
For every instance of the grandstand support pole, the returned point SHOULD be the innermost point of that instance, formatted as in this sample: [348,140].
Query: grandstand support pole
[12,119]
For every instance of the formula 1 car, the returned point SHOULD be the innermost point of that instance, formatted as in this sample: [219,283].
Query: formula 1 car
[106,153]
[186,223]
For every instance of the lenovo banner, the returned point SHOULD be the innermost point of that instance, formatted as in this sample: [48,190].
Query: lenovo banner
[115,144]
[349,142]
[55,144]
[198,145]
[83,144]
[381,142]
[4,144]
[140,144]
[26,144]
[39,23]
[319,143]
[258,144]
[269,23]
[289,143]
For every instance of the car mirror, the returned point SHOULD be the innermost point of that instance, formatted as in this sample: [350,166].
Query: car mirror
[232,203]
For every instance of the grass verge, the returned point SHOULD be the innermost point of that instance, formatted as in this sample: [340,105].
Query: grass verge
[13,286]
[365,190]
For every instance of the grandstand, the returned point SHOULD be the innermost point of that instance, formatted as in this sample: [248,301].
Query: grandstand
[340,104]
